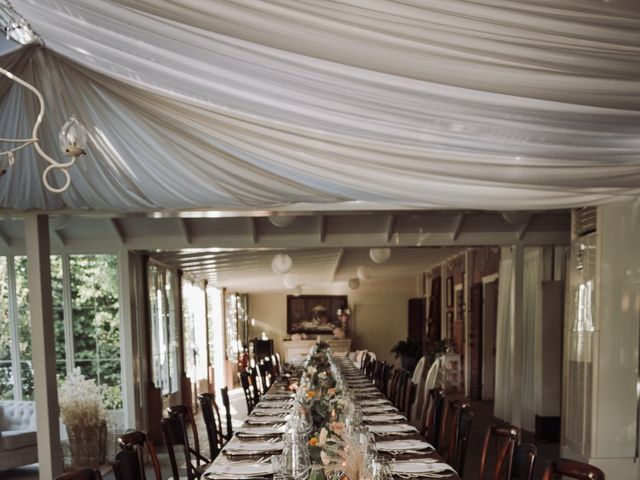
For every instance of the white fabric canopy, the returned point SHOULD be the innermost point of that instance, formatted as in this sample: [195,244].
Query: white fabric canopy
[417,104]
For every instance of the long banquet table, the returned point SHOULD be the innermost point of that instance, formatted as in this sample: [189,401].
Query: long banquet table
[268,420]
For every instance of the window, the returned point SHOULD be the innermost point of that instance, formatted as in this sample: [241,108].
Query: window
[6,373]
[86,323]
[195,331]
[96,322]
[164,333]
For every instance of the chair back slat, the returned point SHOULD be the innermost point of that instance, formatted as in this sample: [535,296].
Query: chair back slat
[224,394]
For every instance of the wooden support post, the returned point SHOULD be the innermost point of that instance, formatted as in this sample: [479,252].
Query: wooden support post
[517,312]
[43,345]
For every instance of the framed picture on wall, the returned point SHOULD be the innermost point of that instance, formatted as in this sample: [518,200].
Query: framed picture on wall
[449,291]
[314,314]
[449,325]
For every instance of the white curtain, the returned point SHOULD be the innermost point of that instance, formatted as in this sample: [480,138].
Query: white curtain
[352,104]
[504,343]
[531,346]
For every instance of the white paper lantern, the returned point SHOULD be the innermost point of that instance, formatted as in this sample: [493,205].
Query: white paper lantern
[289,281]
[380,255]
[281,263]
[282,220]
[354,283]
[296,292]
[363,272]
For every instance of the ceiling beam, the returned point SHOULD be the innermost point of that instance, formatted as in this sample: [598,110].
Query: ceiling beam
[336,267]
[252,230]
[60,237]
[322,223]
[458,223]
[4,238]
[117,230]
[524,227]
[184,228]
[391,226]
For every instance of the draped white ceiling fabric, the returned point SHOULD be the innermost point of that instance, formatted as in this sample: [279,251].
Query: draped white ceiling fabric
[239,104]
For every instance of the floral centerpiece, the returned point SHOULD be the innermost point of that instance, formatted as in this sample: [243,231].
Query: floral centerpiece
[83,413]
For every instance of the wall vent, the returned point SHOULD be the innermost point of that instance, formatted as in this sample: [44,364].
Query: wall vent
[580,388]
[585,221]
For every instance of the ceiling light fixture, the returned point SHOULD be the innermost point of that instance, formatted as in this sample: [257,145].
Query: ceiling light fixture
[73,136]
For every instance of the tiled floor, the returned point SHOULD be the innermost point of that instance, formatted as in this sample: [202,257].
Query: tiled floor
[482,420]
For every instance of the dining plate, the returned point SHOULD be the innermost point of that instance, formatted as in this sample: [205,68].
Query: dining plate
[384,417]
[416,466]
[239,469]
[394,428]
[399,445]
[256,432]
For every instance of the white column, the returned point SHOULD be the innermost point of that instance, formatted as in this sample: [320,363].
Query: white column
[517,311]
[128,336]
[43,345]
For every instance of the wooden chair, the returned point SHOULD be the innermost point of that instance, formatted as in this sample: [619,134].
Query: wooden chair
[275,364]
[247,389]
[212,423]
[458,453]
[524,459]
[384,376]
[128,466]
[264,371]
[564,467]
[224,394]
[390,387]
[81,474]
[175,433]
[256,381]
[505,441]
[401,386]
[454,434]
[132,461]
[408,399]
[435,411]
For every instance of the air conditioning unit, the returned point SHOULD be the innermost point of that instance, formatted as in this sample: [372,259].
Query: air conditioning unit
[601,371]
[581,333]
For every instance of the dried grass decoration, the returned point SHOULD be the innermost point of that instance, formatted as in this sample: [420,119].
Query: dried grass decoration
[83,414]
[348,461]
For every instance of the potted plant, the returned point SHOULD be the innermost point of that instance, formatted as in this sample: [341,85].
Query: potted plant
[409,353]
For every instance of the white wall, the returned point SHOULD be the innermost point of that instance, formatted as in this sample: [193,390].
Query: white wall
[379,313]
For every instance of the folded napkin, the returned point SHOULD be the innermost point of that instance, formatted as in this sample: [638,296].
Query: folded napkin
[264,404]
[267,412]
[384,417]
[254,446]
[396,428]
[375,401]
[372,410]
[415,466]
[399,445]
[277,396]
[239,468]
[266,420]
[260,431]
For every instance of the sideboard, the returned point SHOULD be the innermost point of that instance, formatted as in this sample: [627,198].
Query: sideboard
[295,351]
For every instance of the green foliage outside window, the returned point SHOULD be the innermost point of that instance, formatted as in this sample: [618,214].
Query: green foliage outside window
[95,323]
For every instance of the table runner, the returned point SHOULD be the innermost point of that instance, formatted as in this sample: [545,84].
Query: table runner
[317,389]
